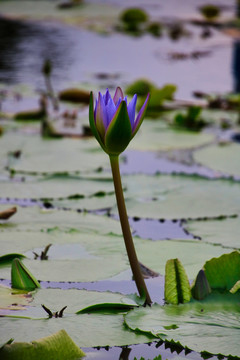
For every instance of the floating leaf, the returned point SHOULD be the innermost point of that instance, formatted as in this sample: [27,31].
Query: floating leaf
[224,232]
[177,288]
[225,159]
[21,277]
[210,325]
[58,346]
[94,329]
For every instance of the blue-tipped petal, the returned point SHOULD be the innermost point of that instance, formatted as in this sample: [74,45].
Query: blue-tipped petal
[106,97]
[101,117]
[140,116]
[131,109]
[118,94]
[110,110]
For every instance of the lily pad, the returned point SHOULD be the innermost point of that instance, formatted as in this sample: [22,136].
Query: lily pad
[178,197]
[58,155]
[225,159]
[223,232]
[211,325]
[83,328]
[34,219]
[157,135]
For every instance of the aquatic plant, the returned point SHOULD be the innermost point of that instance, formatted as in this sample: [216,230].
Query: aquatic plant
[133,18]
[114,125]
[210,11]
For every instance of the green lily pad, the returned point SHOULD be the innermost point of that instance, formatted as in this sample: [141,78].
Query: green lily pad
[177,197]
[57,188]
[59,155]
[225,159]
[219,232]
[84,329]
[34,219]
[211,325]
[156,135]
[58,346]
[100,254]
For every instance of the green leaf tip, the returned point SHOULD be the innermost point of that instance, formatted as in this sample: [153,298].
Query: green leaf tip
[201,287]
[177,289]
[58,346]
[21,277]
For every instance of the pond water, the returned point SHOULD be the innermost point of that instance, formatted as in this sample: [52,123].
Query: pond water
[80,56]
[83,57]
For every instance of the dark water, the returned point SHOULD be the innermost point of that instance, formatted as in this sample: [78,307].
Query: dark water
[79,56]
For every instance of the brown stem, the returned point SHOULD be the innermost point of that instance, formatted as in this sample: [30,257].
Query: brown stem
[132,256]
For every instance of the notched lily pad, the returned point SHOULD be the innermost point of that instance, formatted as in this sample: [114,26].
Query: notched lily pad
[211,325]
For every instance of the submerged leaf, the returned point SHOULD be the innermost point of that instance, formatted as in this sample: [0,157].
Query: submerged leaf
[22,278]
[177,288]
[58,346]
[107,307]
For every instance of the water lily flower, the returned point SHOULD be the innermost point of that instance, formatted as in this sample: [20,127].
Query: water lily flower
[113,122]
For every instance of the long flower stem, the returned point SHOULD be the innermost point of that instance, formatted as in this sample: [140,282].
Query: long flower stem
[132,256]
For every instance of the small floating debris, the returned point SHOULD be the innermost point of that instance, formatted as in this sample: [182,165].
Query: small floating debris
[6,214]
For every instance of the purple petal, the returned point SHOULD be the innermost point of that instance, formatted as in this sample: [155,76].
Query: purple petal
[140,116]
[118,94]
[101,116]
[110,110]
[131,109]
[106,97]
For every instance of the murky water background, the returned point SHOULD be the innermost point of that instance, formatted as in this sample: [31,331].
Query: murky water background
[80,56]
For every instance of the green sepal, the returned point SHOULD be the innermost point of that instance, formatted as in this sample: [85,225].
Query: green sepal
[22,278]
[58,346]
[177,289]
[92,122]
[201,287]
[119,131]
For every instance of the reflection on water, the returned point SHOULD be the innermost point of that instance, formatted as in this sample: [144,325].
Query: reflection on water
[24,46]
[78,56]
[236,66]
